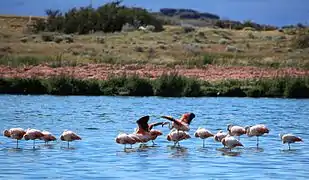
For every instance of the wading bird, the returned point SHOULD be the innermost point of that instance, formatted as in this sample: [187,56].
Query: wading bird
[230,142]
[203,134]
[220,135]
[236,130]
[14,133]
[145,131]
[125,139]
[256,130]
[69,136]
[177,136]
[289,138]
[181,124]
[47,136]
[33,134]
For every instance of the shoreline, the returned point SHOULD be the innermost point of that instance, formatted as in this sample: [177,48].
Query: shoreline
[209,73]
[167,85]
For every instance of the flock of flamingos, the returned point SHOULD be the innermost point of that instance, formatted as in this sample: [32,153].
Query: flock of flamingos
[180,128]
[145,133]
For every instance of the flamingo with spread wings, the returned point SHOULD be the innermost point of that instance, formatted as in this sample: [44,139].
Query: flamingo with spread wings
[146,131]
[181,124]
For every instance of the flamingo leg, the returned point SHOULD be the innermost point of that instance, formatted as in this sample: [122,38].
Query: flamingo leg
[203,143]
[153,143]
[68,144]
[33,144]
[257,141]
[289,146]
[131,146]
[17,144]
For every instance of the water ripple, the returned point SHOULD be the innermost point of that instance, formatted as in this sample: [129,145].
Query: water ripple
[99,119]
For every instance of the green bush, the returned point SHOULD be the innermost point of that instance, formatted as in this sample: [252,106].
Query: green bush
[171,85]
[110,17]
[301,41]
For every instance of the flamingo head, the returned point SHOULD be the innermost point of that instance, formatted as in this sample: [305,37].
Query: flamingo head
[223,141]
[117,140]
[6,133]
[247,129]
[229,127]
[169,138]
[26,137]
[61,138]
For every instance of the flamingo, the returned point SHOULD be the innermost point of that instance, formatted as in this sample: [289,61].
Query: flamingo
[69,136]
[181,124]
[145,131]
[236,130]
[177,136]
[230,142]
[289,138]
[220,135]
[14,133]
[203,134]
[47,136]
[256,130]
[125,139]
[33,134]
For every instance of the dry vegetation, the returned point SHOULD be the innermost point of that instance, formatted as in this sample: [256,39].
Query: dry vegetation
[176,45]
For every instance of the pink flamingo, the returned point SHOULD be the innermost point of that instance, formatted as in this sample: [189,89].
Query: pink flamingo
[145,131]
[256,130]
[220,135]
[125,139]
[230,142]
[14,133]
[236,130]
[203,134]
[47,136]
[33,134]
[181,124]
[69,136]
[177,136]
[289,138]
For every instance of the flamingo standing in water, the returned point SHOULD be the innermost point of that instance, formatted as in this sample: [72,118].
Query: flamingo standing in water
[256,130]
[236,130]
[47,136]
[14,133]
[33,134]
[182,124]
[230,142]
[220,135]
[145,131]
[69,136]
[125,139]
[177,136]
[289,138]
[203,134]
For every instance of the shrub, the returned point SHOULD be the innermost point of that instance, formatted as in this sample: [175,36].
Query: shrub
[47,37]
[301,41]
[110,17]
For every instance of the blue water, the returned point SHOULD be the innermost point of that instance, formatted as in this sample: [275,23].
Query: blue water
[98,120]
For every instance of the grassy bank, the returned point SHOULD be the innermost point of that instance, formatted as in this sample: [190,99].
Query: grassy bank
[171,85]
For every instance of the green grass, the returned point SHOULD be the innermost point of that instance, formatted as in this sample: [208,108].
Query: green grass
[168,85]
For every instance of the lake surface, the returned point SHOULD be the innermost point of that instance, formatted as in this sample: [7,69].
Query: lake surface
[98,120]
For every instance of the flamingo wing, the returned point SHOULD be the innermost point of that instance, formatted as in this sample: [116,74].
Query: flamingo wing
[187,117]
[172,119]
[143,123]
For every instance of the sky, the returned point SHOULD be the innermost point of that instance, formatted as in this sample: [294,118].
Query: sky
[274,12]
